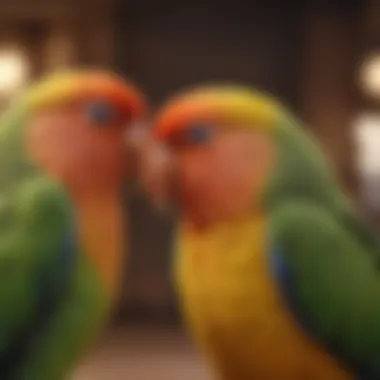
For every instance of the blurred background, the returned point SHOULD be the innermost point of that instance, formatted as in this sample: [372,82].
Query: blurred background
[322,59]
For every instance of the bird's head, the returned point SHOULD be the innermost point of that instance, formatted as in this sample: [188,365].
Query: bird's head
[76,126]
[219,151]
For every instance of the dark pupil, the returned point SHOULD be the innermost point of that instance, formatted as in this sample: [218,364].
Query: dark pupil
[199,134]
[193,135]
[100,113]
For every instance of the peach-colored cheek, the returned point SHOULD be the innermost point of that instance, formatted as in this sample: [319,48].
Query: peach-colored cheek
[199,178]
[113,158]
[222,181]
[227,177]
[45,142]
[244,163]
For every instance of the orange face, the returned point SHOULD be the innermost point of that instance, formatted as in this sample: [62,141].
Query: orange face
[218,180]
[216,173]
[212,150]
[79,137]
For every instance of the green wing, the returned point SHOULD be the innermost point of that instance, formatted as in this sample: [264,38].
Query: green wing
[36,262]
[70,331]
[51,301]
[328,271]
[49,298]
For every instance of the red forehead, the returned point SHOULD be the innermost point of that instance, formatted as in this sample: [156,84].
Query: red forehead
[178,114]
[69,86]
[122,93]
[221,105]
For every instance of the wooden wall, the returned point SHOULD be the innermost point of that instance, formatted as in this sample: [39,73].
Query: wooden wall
[331,52]
[57,33]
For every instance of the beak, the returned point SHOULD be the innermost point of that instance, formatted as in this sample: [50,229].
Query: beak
[155,172]
[154,163]
[136,134]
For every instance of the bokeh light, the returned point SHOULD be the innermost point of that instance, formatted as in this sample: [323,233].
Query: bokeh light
[367,138]
[370,75]
[13,70]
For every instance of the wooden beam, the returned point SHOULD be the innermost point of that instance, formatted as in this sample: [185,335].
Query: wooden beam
[330,95]
[95,32]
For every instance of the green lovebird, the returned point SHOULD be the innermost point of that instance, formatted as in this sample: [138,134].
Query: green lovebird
[62,164]
[277,273]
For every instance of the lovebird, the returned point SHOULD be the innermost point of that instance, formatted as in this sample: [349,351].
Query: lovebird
[62,163]
[277,273]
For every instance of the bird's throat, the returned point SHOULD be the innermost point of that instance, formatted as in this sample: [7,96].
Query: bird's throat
[101,225]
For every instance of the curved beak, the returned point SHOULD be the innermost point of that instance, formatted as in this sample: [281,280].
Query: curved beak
[154,163]
[136,134]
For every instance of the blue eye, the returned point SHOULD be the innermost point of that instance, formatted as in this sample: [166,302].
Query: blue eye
[199,134]
[100,113]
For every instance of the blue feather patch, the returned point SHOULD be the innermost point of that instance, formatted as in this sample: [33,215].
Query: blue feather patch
[281,272]
[287,285]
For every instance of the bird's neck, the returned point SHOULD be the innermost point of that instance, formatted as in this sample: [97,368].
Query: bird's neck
[101,226]
[231,228]
[222,245]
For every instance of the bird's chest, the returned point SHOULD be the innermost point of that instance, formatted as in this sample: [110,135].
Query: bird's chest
[234,308]
[219,280]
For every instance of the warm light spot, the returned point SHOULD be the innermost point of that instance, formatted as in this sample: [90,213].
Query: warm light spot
[370,75]
[13,71]
[367,162]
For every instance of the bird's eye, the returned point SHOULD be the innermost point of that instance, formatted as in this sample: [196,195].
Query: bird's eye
[198,134]
[100,113]
[193,135]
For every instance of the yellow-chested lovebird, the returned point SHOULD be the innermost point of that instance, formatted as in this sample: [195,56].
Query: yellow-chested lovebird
[278,275]
[62,163]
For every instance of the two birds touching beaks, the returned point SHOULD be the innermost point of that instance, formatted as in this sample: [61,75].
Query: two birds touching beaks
[277,273]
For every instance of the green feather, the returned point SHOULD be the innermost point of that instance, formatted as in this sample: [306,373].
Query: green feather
[331,254]
[48,314]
